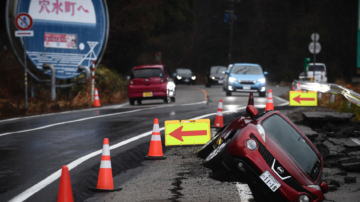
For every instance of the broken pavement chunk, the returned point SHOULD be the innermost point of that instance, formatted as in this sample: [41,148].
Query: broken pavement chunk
[327,116]
[350,179]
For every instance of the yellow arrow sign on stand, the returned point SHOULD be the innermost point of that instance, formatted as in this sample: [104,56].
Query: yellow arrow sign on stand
[302,99]
[187,132]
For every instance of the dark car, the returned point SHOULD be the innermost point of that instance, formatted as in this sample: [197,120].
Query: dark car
[269,152]
[185,76]
[150,82]
[215,75]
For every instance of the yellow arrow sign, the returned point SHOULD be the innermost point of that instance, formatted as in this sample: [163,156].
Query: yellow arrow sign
[187,132]
[302,99]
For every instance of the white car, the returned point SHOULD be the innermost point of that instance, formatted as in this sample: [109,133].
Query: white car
[320,72]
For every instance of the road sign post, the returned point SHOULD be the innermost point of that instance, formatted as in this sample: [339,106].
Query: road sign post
[314,47]
[23,22]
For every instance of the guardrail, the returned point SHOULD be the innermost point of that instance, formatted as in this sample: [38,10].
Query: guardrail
[350,95]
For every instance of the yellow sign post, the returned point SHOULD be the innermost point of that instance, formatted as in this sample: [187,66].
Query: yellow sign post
[302,99]
[187,132]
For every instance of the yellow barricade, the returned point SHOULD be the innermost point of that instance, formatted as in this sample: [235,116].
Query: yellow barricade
[302,99]
[187,132]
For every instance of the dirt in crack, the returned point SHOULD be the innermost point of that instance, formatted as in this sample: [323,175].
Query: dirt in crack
[176,190]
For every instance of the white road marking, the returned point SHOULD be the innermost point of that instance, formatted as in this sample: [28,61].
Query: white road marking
[40,185]
[356,140]
[279,98]
[66,112]
[196,103]
[244,192]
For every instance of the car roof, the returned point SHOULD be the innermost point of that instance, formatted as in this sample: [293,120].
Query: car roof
[247,64]
[148,66]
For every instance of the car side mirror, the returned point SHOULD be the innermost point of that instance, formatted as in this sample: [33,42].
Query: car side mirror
[324,187]
[252,111]
[227,72]
[266,73]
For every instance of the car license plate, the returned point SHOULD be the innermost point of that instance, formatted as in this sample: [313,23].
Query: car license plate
[270,180]
[246,87]
[186,80]
[147,94]
[220,81]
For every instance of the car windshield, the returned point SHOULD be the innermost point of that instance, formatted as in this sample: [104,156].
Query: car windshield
[243,69]
[217,69]
[316,68]
[147,73]
[294,144]
[183,71]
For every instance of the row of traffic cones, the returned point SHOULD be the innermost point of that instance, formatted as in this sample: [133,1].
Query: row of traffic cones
[219,122]
[105,179]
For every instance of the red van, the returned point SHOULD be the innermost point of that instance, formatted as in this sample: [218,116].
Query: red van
[150,82]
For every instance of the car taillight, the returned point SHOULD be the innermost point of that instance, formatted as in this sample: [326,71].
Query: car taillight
[306,73]
[325,73]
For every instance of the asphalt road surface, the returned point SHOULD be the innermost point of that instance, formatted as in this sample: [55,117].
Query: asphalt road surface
[33,149]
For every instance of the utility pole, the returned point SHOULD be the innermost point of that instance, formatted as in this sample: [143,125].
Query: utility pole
[232,18]
[231,30]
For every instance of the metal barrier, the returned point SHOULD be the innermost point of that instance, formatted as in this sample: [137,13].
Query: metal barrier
[350,95]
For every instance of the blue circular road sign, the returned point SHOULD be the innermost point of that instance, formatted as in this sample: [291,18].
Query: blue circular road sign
[67,33]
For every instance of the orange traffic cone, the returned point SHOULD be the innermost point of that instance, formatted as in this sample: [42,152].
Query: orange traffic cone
[105,178]
[251,99]
[299,88]
[155,150]
[96,100]
[219,122]
[65,192]
[269,102]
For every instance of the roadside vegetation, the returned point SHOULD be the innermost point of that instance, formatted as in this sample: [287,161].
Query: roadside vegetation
[110,85]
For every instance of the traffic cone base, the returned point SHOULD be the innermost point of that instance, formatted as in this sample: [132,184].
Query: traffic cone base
[155,149]
[105,179]
[219,121]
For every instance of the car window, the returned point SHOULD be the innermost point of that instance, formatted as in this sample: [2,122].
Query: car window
[217,69]
[147,73]
[242,69]
[293,143]
[183,71]
[316,68]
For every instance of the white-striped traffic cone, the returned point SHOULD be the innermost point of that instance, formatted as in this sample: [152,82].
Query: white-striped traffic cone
[219,122]
[155,150]
[97,100]
[269,102]
[105,178]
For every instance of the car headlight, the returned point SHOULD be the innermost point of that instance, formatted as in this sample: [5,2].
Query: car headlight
[193,77]
[232,79]
[212,77]
[262,80]
[317,187]
[178,77]
[304,198]
[251,144]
